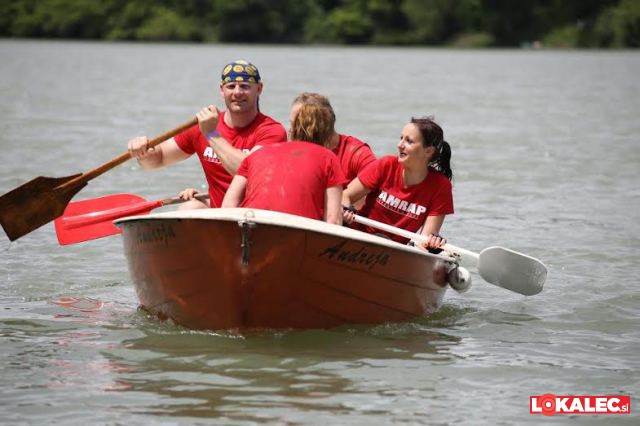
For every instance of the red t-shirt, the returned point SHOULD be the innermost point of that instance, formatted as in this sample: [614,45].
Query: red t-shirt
[403,207]
[353,155]
[262,131]
[290,178]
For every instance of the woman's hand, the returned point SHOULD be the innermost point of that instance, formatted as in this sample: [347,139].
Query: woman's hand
[433,241]
[348,214]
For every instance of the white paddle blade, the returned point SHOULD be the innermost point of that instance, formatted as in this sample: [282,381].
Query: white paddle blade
[512,270]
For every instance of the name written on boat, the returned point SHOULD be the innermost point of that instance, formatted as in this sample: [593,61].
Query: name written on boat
[155,232]
[355,256]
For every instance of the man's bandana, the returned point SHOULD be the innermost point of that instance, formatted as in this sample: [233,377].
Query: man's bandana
[240,71]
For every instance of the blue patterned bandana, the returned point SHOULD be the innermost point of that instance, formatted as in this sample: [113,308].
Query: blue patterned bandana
[241,71]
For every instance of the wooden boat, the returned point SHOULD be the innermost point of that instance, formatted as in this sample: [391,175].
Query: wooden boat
[249,268]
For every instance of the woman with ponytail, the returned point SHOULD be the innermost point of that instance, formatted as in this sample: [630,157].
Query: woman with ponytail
[412,190]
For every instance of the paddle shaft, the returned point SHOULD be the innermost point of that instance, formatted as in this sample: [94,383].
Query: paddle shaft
[411,235]
[41,200]
[178,200]
[86,177]
[500,266]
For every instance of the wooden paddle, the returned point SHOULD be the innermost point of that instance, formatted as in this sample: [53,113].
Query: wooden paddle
[497,265]
[93,218]
[42,199]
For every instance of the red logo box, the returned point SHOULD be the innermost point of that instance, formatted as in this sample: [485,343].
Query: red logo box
[549,404]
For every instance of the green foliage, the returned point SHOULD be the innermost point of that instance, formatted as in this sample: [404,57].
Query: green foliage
[473,40]
[263,21]
[466,23]
[619,26]
[440,21]
[166,24]
[563,37]
[124,24]
[7,17]
[349,26]
[247,21]
[59,18]
[389,22]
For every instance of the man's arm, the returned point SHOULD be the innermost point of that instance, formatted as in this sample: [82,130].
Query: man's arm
[168,152]
[229,156]
[361,158]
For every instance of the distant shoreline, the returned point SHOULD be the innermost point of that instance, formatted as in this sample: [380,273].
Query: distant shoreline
[601,24]
[318,45]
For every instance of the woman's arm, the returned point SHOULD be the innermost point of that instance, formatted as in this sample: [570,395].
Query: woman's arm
[354,194]
[333,205]
[355,191]
[431,230]
[235,193]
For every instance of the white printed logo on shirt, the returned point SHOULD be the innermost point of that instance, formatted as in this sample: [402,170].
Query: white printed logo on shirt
[397,205]
[210,155]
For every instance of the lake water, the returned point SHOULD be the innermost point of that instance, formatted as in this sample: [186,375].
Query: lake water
[546,155]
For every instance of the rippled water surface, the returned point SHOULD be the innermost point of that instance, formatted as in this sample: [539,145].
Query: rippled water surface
[546,158]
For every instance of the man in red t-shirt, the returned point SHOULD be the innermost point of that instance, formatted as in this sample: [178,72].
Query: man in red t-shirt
[353,154]
[222,139]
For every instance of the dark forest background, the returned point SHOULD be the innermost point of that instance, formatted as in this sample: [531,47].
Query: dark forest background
[462,23]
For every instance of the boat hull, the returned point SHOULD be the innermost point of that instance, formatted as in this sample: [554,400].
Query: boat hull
[240,268]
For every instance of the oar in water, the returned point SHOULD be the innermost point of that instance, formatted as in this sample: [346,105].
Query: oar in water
[41,200]
[93,218]
[497,265]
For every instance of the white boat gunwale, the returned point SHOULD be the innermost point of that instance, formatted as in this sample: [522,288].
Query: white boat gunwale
[284,220]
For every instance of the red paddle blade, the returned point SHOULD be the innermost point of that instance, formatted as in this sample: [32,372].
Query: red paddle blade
[93,218]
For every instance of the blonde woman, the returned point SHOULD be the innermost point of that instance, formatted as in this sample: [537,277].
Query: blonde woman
[300,177]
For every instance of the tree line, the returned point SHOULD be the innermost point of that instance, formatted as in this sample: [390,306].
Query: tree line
[463,23]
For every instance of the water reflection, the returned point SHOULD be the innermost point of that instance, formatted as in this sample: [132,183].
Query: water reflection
[83,304]
[234,376]
[53,355]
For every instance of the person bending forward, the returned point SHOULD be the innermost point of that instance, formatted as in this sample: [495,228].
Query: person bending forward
[300,177]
